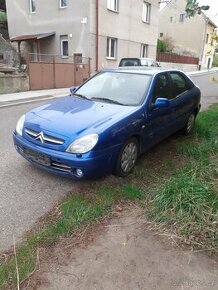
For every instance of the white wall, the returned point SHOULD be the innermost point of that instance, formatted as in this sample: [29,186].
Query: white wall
[180,66]
[129,29]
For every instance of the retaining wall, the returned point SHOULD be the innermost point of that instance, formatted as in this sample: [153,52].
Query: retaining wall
[13,83]
[180,66]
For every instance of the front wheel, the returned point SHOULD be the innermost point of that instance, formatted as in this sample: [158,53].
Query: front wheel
[190,124]
[127,158]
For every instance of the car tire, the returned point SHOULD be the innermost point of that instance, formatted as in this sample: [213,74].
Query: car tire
[190,124]
[127,158]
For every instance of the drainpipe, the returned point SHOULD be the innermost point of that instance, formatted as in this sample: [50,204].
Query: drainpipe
[97,34]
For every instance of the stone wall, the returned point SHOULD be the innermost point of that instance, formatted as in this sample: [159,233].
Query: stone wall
[13,83]
[180,66]
[10,56]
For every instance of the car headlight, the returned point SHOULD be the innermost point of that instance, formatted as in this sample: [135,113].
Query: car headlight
[83,144]
[20,123]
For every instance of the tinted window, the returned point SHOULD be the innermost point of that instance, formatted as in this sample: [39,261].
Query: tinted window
[161,88]
[179,84]
[130,62]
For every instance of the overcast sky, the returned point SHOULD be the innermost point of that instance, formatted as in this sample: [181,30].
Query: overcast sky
[213,11]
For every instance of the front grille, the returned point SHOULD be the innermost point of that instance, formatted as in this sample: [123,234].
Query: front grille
[60,166]
[43,138]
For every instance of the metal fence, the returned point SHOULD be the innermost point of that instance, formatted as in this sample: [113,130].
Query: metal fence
[52,71]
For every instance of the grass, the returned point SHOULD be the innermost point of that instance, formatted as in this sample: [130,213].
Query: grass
[73,212]
[183,198]
[188,201]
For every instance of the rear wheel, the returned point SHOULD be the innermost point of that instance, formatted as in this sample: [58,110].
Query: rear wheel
[127,158]
[190,124]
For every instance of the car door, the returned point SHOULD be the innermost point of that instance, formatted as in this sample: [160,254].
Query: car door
[181,102]
[158,120]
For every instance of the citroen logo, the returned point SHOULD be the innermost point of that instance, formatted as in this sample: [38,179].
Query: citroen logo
[40,137]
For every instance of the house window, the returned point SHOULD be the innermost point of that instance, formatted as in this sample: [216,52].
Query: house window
[207,38]
[181,17]
[146,12]
[32,6]
[111,48]
[161,34]
[64,46]
[78,57]
[63,3]
[171,19]
[144,50]
[113,5]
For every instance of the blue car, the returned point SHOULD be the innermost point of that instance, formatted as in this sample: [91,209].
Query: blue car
[104,125]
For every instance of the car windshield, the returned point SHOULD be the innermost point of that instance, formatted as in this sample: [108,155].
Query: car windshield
[127,89]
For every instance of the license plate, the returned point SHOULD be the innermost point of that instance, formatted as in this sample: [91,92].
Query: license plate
[37,157]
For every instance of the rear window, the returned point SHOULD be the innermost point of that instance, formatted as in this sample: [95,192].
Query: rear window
[130,62]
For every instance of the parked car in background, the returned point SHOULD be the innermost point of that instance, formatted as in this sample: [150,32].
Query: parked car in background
[107,122]
[132,61]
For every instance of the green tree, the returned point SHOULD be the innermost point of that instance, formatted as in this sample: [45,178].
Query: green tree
[192,7]
[161,45]
[164,44]
[3,17]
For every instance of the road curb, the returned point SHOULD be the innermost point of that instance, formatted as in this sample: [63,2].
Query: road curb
[5,104]
[201,73]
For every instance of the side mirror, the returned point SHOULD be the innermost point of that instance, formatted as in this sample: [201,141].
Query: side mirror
[161,103]
[73,89]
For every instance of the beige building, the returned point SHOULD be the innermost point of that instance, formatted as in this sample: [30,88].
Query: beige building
[104,30]
[188,35]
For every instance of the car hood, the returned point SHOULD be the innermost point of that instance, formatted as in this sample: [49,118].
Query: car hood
[71,116]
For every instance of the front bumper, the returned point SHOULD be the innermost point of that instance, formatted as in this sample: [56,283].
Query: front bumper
[66,164]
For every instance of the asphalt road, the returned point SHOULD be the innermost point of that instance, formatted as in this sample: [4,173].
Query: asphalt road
[208,84]
[26,193]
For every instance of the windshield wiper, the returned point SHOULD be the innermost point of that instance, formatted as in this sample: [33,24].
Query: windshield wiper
[81,96]
[107,100]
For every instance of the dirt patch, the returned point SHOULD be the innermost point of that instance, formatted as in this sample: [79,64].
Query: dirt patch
[123,254]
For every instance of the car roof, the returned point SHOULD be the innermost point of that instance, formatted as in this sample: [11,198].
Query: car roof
[138,58]
[141,70]
[147,58]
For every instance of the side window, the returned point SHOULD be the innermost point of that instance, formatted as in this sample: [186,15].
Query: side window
[179,84]
[161,88]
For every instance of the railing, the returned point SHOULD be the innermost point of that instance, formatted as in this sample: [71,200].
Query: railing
[49,58]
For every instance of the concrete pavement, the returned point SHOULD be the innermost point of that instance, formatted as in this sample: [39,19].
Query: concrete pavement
[26,193]
[30,96]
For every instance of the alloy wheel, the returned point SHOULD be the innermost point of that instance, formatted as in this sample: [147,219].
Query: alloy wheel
[129,157]
[190,124]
